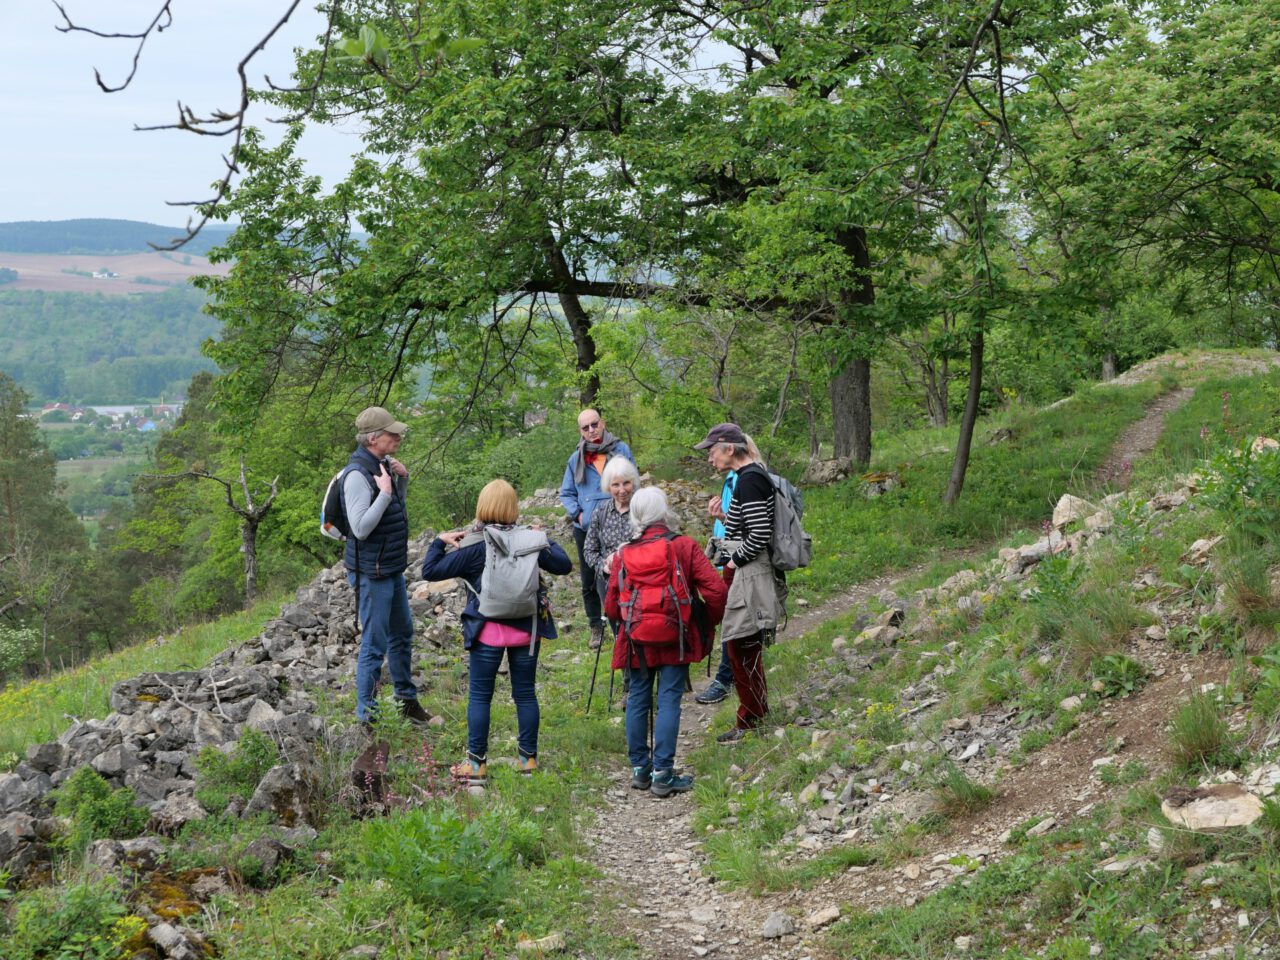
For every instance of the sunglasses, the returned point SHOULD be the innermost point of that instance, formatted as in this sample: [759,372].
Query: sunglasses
[586,427]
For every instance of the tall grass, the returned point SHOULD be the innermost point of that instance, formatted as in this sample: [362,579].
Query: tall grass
[39,711]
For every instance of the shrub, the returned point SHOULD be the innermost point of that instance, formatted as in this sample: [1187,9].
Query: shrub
[438,858]
[1244,488]
[85,920]
[222,776]
[95,811]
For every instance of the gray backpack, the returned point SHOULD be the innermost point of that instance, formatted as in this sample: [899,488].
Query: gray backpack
[790,547]
[509,584]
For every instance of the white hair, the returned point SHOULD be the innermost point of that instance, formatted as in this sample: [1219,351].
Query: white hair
[618,468]
[649,506]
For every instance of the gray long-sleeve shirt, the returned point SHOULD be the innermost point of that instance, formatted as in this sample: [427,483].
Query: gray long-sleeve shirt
[364,510]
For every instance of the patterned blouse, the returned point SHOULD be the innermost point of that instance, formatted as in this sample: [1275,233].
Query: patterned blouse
[607,531]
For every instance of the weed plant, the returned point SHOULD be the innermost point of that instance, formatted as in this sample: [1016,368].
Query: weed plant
[221,776]
[956,795]
[1199,738]
[86,919]
[94,811]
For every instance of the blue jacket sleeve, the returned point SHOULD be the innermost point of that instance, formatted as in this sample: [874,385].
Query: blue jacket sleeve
[553,559]
[625,451]
[569,491]
[438,565]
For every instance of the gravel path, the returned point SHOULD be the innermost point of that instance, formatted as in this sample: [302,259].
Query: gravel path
[652,860]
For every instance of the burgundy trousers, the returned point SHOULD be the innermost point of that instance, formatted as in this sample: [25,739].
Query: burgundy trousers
[746,657]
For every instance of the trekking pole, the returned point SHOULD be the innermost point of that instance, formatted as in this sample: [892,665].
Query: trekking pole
[591,691]
[609,707]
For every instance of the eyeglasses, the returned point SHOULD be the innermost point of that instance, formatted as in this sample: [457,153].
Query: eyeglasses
[588,427]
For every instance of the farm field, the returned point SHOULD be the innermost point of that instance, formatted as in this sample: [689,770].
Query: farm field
[160,271]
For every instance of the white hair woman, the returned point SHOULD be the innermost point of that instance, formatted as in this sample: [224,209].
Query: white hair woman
[610,525]
[657,581]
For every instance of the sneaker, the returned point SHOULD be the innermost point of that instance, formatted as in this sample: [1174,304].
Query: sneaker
[666,782]
[641,777]
[714,693]
[732,735]
[412,711]
[527,765]
[597,636]
[472,773]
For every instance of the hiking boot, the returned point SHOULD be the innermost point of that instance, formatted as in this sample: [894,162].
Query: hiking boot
[665,783]
[641,777]
[412,711]
[527,765]
[714,693]
[732,736]
[472,773]
[597,636]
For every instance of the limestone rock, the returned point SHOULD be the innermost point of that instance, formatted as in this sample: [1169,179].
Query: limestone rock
[778,924]
[1070,508]
[1211,808]
[822,918]
[285,791]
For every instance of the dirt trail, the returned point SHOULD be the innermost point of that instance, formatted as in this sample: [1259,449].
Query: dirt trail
[653,860]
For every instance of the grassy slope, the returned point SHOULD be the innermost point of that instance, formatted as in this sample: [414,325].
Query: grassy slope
[1011,485]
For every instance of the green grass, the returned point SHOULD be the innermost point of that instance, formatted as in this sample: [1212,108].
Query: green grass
[39,711]
[1010,485]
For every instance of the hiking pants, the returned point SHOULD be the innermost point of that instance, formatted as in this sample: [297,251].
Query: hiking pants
[522,664]
[386,633]
[746,656]
[590,599]
[666,725]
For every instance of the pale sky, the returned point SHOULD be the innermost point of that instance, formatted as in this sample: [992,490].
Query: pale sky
[67,150]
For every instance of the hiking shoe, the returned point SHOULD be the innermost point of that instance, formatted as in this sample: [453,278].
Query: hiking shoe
[412,711]
[597,636]
[714,693]
[732,736]
[641,777]
[666,782]
[527,765]
[472,773]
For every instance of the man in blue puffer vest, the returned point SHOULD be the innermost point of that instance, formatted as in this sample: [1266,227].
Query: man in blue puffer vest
[377,554]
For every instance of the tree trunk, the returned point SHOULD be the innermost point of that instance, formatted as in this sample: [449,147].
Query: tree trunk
[851,410]
[249,544]
[961,462]
[1108,366]
[851,385]
[578,318]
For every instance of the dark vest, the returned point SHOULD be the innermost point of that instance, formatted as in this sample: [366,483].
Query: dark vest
[385,552]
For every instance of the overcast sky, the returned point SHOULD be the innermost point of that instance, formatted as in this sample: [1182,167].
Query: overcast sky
[70,150]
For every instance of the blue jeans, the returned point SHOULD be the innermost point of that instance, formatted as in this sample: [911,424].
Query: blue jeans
[522,664]
[724,672]
[386,634]
[666,726]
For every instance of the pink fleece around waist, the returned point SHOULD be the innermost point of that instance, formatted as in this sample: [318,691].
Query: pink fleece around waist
[494,634]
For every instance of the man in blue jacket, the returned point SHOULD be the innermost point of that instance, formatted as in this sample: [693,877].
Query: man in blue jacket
[377,554]
[580,494]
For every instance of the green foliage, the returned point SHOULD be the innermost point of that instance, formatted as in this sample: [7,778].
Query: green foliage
[1266,694]
[440,858]
[221,776]
[1244,487]
[86,921]
[95,811]
[1120,675]
[18,646]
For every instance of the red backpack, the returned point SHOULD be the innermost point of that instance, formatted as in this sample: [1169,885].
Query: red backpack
[653,593]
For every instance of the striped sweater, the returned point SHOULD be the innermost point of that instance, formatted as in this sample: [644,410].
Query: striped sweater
[750,515]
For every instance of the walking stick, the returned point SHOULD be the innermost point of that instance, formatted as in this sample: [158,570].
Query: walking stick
[591,691]
[609,707]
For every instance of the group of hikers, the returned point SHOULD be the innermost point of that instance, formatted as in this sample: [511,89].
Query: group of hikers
[659,594]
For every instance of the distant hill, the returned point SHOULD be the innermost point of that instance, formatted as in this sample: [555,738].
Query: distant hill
[100,237]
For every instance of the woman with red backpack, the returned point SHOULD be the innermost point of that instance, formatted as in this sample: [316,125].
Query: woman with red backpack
[668,599]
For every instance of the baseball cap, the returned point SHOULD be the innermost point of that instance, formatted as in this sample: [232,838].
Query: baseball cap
[722,433]
[375,419]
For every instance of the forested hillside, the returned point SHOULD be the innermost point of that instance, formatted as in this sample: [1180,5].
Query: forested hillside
[81,348]
[91,236]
